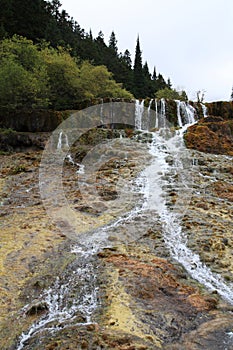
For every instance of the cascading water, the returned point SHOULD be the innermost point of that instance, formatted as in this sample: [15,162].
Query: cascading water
[156,114]
[149,108]
[163,113]
[67,299]
[174,236]
[204,110]
[139,107]
[62,141]
[180,123]
[152,184]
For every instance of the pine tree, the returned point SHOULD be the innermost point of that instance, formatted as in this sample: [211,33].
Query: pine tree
[126,58]
[27,18]
[148,85]
[138,73]
[113,43]
[169,84]
[154,75]
[90,35]
[100,38]
[161,82]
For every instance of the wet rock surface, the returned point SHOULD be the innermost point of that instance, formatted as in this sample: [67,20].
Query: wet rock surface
[146,300]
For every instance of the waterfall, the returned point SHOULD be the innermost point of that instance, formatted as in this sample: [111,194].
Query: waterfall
[158,175]
[64,300]
[149,108]
[189,113]
[62,141]
[185,113]
[178,102]
[204,110]
[78,293]
[101,111]
[156,114]
[163,113]
[139,109]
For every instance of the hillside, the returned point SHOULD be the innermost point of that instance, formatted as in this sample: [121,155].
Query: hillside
[42,21]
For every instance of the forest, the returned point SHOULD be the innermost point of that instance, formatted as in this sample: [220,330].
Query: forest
[48,61]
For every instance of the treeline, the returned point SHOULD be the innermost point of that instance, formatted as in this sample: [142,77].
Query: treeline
[43,21]
[38,76]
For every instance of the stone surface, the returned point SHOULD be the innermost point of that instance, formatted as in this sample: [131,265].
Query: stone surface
[147,300]
[212,135]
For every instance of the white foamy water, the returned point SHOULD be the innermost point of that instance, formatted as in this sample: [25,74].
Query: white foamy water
[168,169]
[171,219]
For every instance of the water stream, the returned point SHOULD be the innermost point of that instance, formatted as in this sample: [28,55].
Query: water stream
[153,184]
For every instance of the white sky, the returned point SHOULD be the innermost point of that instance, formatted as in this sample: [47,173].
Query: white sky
[189,41]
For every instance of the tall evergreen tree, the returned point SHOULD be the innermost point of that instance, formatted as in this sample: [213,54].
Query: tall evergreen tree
[126,58]
[169,84]
[138,73]
[154,75]
[161,82]
[27,18]
[148,86]
[43,20]
[113,43]
[100,38]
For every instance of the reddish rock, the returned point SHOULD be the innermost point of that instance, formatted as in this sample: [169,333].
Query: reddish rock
[211,135]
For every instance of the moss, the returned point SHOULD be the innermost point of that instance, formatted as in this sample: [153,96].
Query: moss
[212,135]
[7,131]
[21,168]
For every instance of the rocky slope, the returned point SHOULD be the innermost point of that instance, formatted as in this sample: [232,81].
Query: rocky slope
[146,300]
[212,135]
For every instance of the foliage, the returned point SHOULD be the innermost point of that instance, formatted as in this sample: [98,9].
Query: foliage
[41,20]
[63,72]
[97,81]
[7,131]
[171,94]
[23,78]
[138,72]
[113,42]
[38,76]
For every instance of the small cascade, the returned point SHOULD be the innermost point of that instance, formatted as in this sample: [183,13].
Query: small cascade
[156,114]
[162,113]
[101,111]
[62,141]
[139,109]
[189,114]
[204,110]
[178,102]
[185,113]
[68,302]
[149,108]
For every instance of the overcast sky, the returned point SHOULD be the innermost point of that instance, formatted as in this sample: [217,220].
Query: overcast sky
[189,41]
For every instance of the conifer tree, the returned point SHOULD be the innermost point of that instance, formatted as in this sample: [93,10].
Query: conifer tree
[138,73]
[113,43]
[148,83]
[169,84]
[126,58]
[154,75]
